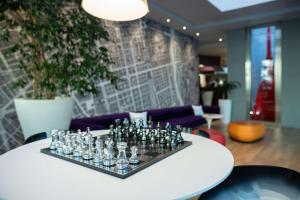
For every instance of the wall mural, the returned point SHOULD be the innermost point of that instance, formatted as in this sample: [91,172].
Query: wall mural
[157,66]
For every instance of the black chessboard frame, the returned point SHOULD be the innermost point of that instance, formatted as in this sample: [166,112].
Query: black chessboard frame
[148,156]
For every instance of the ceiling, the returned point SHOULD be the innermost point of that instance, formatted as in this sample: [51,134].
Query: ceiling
[201,16]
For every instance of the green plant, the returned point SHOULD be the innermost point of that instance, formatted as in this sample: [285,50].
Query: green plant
[227,87]
[60,46]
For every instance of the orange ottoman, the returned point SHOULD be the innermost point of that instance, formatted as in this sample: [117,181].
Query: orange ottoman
[245,131]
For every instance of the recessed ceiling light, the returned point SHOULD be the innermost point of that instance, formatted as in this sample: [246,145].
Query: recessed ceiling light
[168,20]
[197,34]
[220,39]
[184,27]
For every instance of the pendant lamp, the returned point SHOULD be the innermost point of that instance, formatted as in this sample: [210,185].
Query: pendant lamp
[116,10]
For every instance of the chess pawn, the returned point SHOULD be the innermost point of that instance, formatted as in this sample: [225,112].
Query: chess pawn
[126,128]
[54,139]
[117,122]
[144,135]
[109,158]
[67,148]
[150,122]
[178,133]
[168,135]
[60,142]
[89,153]
[122,161]
[173,138]
[80,146]
[111,131]
[119,131]
[141,127]
[158,131]
[134,158]
[149,130]
[98,156]
[133,130]
[162,138]
[152,136]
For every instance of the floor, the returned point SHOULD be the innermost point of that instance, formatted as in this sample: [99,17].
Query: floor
[279,147]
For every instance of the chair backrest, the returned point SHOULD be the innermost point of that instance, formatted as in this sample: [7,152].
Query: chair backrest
[36,137]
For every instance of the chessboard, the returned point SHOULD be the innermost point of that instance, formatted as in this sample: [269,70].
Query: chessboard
[148,154]
[124,151]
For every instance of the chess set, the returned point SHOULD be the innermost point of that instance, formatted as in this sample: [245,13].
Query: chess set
[127,149]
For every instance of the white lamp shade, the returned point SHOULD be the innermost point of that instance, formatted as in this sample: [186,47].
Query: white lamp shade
[116,10]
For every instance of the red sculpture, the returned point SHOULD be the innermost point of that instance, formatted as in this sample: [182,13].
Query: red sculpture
[264,108]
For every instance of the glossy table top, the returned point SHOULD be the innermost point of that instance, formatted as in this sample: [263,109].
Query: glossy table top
[28,174]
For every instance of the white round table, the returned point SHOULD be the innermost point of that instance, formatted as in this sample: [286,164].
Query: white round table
[25,173]
[210,116]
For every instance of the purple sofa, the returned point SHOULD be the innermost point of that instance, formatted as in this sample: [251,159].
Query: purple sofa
[182,115]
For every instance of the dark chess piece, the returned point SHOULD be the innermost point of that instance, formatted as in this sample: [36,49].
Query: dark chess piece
[152,136]
[141,128]
[144,135]
[111,132]
[178,133]
[162,138]
[150,122]
[117,122]
[173,138]
[168,132]
[134,158]
[149,130]
[119,131]
[134,130]
[158,131]
[126,128]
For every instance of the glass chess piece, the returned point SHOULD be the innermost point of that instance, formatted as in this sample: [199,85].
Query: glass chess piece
[54,139]
[122,161]
[98,156]
[89,153]
[134,158]
[109,158]
[67,148]
[80,145]
[60,142]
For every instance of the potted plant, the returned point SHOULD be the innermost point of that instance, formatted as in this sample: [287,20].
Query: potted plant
[60,50]
[225,104]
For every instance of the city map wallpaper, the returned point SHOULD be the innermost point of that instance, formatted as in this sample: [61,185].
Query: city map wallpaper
[157,66]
